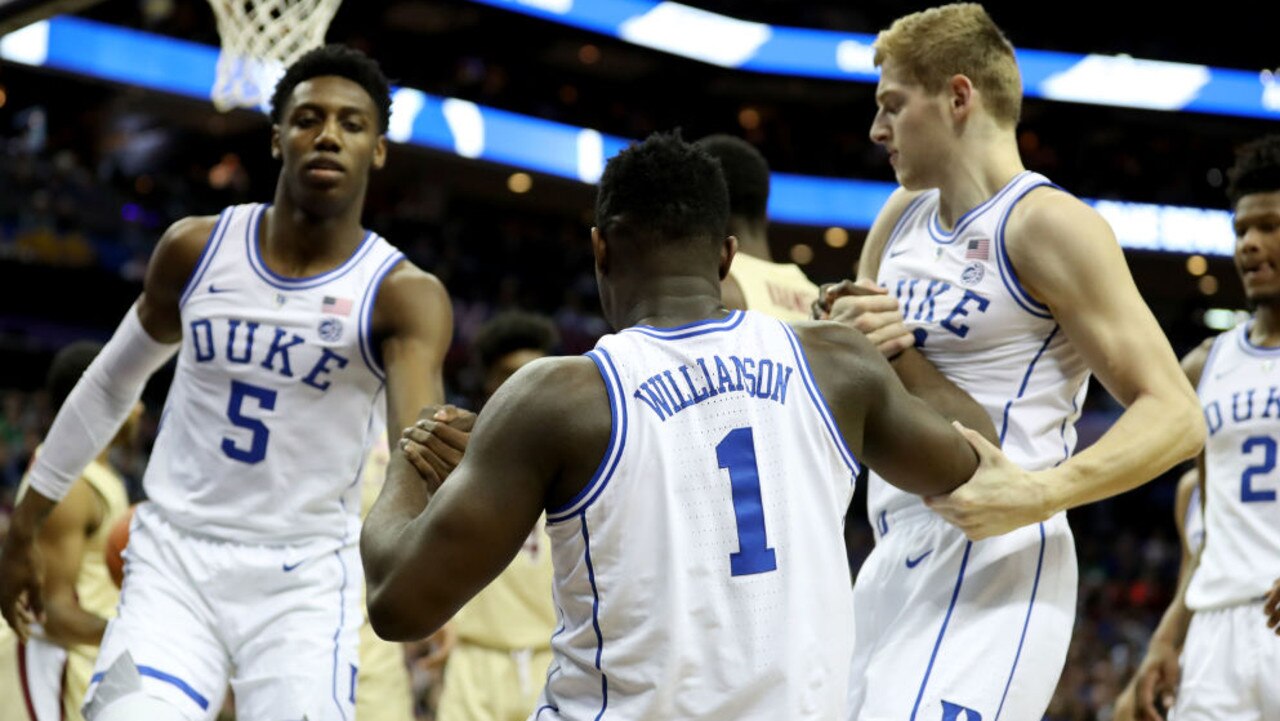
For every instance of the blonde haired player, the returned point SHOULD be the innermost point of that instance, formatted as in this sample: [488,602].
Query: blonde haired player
[755,281]
[1015,291]
[45,678]
[1216,651]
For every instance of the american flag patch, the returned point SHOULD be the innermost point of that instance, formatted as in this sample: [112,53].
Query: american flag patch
[336,306]
[979,248]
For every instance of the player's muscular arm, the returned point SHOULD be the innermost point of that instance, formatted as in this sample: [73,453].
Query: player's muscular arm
[1068,258]
[477,522]
[97,406]
[414,318]
[62,541]
[895,433]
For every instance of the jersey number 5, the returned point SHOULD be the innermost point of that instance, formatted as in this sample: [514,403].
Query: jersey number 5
[737,453]
[266,400]
[1268,445]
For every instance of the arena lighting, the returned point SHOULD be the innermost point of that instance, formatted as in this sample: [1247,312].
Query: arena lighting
[525,143]
[728,42]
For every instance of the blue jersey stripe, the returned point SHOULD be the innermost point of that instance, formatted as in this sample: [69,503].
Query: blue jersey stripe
[1035,585]
[337,634]
[207,254]
[368,351]
[955,595]
[1004,424]
[689,330]
[941,236]
[595,617]
[901,223]
[617,441]
[1007,273]
[280,282]
[1247,345]
[820,403]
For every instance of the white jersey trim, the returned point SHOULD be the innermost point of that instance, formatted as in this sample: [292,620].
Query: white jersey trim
[372,358]
[1026,378]
[820,404]
[1007,272]
[1208,361]
[901,223]
[941,236]
[612,454]
[253,252]
[1256,351]
[206,254]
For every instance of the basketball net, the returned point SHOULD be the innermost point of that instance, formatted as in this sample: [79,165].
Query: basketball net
[260,38]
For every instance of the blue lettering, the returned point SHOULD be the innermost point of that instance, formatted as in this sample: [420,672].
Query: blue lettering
[706,375]
[960,311]
[321,367]
[935,289]
[232,325]
[955,712]
[682,401]
[1273,399]
[780,388]
[654,401]
[283,350]
[748,372]
[204,352]
[1235,410]
[911,294]
[656,382]
[740,369]
[1213,417]
[698,397]
[764,385]
[724,381]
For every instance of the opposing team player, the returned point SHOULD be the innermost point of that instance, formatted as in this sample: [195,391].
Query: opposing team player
[1015,291]
[44,678]
[1220,621]
[291,323]
[755,281]
[695,469]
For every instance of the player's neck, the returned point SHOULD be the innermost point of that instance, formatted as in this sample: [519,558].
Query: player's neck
[981,171]
[666,301]
[751,238]
[300,240]
[1265,330]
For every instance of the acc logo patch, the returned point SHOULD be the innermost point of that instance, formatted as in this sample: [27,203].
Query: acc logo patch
[330,330]
[973,273]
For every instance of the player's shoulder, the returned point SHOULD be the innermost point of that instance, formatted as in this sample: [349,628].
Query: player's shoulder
[187,237]
[1049,210]
[554,390]
[407,278]
[837,352]
[1193,363]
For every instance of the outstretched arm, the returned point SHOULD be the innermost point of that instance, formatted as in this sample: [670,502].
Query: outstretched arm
[97,407]
[428,565]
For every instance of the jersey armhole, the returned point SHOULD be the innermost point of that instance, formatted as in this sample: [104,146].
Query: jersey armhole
[617,441]
[207,254]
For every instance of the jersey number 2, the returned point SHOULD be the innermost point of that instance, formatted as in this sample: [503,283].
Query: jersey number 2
[737,453]
[1247,492]
[266,399]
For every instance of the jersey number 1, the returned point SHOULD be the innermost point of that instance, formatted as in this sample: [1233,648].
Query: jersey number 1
[737,453]
[266,399]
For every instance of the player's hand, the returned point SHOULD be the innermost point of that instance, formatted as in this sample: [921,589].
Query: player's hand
[1000,497]
[866,307]
[1126,706]
[1157,680]
[436,442]
[441,644]
[21,578]
[1272,607]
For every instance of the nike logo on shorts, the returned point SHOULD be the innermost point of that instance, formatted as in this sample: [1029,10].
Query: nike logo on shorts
[913,562]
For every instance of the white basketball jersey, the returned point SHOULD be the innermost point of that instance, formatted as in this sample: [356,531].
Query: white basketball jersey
[1240,393]
[975,322]
[1193,523]
[701,573]
[277,394]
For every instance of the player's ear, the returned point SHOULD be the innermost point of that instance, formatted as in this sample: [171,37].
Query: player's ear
[728,249]
[960,96]
[275,141]
[600,249]
[380,153]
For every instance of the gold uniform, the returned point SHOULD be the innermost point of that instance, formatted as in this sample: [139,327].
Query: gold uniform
[96,594]
[780,290]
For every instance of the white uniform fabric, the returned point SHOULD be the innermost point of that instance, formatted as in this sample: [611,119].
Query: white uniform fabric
[990,644]
[1240,393]
[702,573]
[243,565]
[1193,523]
[1230,657]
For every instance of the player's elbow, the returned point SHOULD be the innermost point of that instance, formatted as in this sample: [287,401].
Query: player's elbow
[394,619]
[1188,430]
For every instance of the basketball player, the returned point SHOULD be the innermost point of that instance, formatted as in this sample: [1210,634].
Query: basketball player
[1188,517]
[755,282]
[695,469]
[1219,621]
[1014,290]
[496,670]
[291,323]
[45,677]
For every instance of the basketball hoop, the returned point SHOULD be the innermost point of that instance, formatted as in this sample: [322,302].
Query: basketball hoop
[260,38]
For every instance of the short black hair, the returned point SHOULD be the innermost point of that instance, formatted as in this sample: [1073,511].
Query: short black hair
[745,170]
[663,190]
[69,363]
[343,62]
[511,331]
[1257,169]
